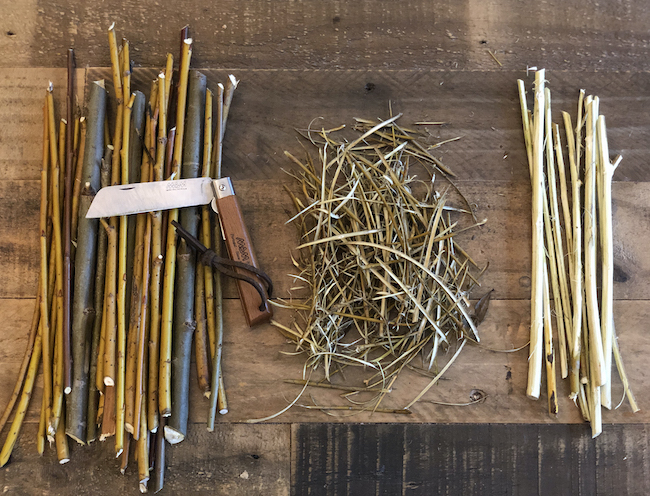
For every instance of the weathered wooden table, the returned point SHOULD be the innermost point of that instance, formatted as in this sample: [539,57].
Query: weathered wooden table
[334,60]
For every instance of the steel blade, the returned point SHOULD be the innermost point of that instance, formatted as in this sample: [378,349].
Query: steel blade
[149,197]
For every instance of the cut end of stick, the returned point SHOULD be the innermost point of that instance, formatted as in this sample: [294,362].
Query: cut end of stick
[223,411]
[128,428]
[63,461]
[108,381]
[111,28]
[187,41]
[173,436]
[233,80]
[67,390]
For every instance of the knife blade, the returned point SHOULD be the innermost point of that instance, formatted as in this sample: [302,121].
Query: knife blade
[152,196]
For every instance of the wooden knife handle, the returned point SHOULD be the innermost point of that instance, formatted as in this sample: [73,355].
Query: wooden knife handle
[240,248]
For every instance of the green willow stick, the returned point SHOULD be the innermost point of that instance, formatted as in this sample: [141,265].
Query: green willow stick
[83,315]
[184,323]
[164,386]
[93,150]
[83,307]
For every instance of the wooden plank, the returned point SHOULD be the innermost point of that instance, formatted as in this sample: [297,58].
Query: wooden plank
[22,93]
[258,360]
[270,104]
[504,241]
[285,34]
[458,459]
[235,460]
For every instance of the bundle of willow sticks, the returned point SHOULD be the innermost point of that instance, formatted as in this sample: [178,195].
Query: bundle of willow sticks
[570,250]
[110,294]
[386,278]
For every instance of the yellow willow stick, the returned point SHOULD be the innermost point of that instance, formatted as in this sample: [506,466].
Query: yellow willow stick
[169,71]
[142,452]
[26,395]
[121,291]
[595,341]
[605,174]
[62,449]
[111,259]
[206,232]
[77,180]
[143,338]
[575,254]
[47,358]
[156,266]
[164,386]
[57,385]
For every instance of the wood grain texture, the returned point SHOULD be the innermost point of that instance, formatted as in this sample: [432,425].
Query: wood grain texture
[485,459]
[329,35]
[300,60]
[481,106]
[504,241]
[235,460]
[257,361]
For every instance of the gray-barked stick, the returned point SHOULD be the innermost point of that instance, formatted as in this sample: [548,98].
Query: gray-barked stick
[184,324]
[83,305]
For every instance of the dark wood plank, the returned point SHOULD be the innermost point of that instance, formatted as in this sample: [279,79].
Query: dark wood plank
[235,459]
[453,459]
[285,34]
[482,107]
[257,361]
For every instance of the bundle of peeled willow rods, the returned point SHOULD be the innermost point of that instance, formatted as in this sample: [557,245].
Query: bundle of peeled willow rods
[125,275]
[570,250]
[387,281]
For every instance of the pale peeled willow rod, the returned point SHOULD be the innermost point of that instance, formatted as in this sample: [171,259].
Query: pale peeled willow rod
[554,242]
[597,358]
[549,353]
[605,174]
[537,276]
[575,254]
